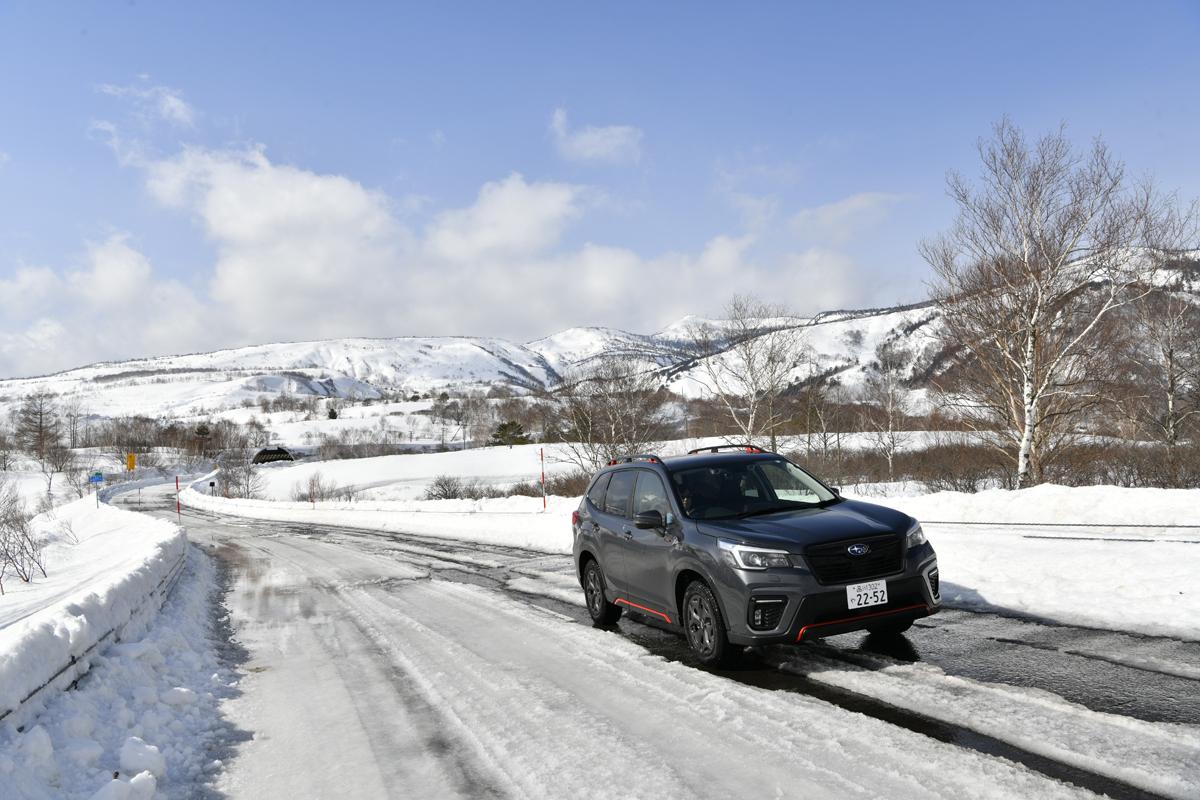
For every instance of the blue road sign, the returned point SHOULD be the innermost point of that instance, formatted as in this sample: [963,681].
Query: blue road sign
[96,477]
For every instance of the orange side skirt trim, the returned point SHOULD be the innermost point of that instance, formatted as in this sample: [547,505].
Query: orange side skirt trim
[625,602]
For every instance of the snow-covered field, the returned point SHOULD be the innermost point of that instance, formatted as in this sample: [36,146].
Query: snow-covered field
[406,477]
[1098,574]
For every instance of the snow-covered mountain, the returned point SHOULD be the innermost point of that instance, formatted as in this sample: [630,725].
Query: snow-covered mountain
[842,342]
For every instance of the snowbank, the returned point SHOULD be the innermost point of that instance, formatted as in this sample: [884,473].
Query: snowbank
[108,573]
[1055,505]
[1141,579]
[1087,555]
[149,710]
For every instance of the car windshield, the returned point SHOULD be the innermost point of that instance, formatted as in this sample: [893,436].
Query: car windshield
[747,488]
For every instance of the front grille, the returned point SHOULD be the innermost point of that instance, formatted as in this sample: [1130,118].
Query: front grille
[765,613]
[934,587]
[831,563]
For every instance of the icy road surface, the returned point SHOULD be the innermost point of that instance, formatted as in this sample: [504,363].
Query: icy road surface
[386,665]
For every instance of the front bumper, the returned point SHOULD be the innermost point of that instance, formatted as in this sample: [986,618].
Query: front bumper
[812,610]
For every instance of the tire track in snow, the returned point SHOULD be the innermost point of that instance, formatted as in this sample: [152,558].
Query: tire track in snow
[438,554]
[650,727]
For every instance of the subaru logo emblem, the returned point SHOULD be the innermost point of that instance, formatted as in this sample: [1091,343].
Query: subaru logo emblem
[858,549]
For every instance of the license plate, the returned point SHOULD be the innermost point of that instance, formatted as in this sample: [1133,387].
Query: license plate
[873,593]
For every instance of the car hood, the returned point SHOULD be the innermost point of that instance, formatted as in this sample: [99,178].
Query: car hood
[844,520]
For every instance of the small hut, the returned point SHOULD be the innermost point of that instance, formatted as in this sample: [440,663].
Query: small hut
[270,454]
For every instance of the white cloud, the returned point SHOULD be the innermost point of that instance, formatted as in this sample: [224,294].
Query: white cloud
[825,278]
[303,255]
[110,304]
[509,217]
[840,221]
[160,102]
[613,143]
[298,254]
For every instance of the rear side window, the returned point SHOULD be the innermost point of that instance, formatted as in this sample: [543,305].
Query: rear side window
[650,495]
[619,492]
[596,493]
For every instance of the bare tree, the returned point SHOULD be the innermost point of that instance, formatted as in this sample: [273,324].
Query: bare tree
[78,479]
[610,409]
[1042,251]
[1157,376]
[37,424]
[8,447]
[887,395]
[73,418]
[748,363]
[20,545]
[57,458]
[238,476]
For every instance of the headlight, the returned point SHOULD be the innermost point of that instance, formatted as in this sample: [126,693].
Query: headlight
[916,536]
[740,556]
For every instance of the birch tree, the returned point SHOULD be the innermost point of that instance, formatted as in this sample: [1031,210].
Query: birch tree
[610,409]
[886,394]
[1158,378]
[1042,251]
[747,363]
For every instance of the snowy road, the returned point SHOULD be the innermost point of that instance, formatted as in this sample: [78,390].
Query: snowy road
[384,665]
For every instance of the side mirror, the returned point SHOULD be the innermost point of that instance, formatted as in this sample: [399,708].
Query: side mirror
[837,491]
[648,519]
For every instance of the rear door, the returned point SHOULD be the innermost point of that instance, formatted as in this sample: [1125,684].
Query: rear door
[646,552]
[612,523]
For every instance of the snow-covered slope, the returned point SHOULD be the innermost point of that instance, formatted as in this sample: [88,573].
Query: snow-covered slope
[842,342]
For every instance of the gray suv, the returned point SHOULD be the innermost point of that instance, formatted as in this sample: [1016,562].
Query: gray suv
[736,546]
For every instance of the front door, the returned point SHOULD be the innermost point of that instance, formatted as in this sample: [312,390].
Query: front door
[646,551]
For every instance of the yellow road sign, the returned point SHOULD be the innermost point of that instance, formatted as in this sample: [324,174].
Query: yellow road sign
[131,462]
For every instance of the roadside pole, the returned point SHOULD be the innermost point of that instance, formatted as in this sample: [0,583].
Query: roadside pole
[542,456]
[178,510]
[96,478]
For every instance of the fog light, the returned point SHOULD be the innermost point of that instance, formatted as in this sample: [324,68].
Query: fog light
[766,612]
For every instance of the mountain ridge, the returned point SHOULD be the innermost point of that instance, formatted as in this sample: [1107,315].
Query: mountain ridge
[376,367]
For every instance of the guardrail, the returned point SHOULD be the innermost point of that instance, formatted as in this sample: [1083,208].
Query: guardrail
[79,665]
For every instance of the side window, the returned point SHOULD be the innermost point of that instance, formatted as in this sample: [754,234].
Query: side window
[596,493]
[650,494]
[619,491]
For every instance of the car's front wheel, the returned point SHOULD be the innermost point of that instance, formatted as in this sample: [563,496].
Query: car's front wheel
[602,611]
[704,626]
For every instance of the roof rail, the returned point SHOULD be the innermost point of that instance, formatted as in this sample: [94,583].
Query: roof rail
[745,448]
[638,457]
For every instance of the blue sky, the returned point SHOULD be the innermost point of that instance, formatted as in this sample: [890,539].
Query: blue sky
[176,177]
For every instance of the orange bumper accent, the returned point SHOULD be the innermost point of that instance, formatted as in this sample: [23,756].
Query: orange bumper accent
[844,620]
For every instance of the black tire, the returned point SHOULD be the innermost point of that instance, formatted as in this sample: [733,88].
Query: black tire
[893,628]
[704,626]
[601,611]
